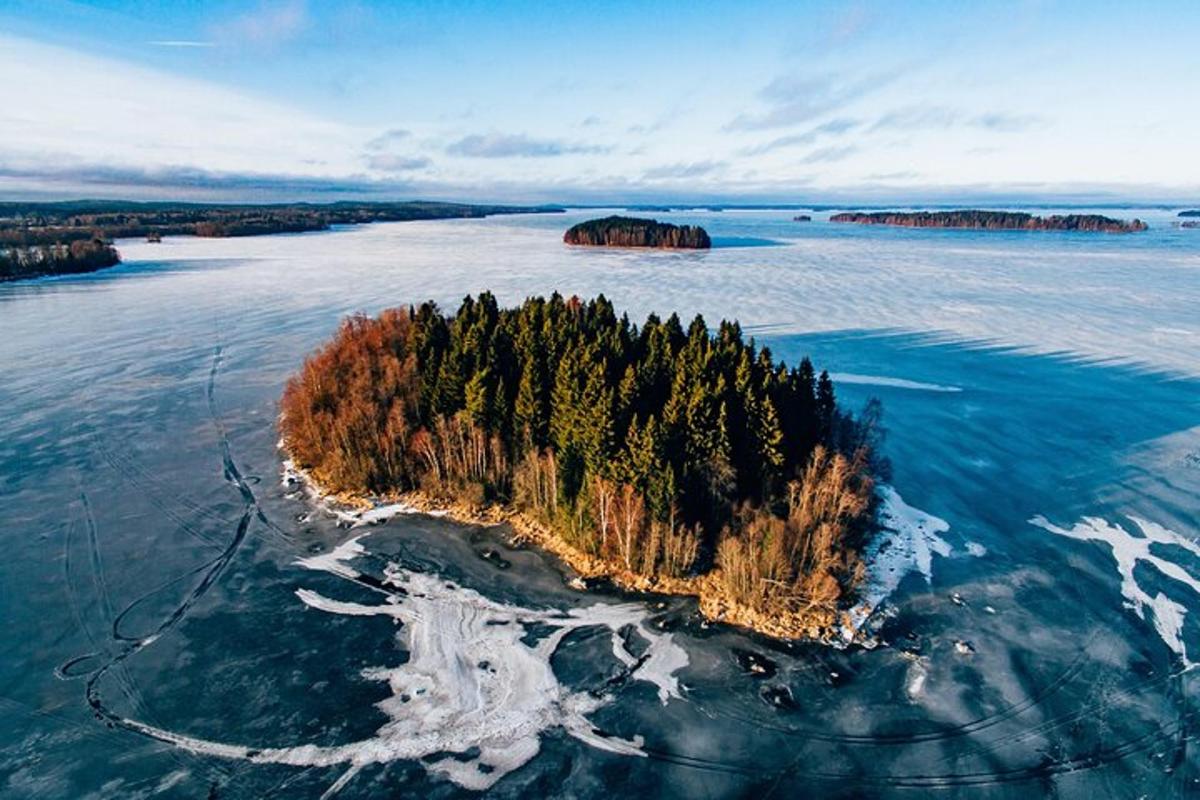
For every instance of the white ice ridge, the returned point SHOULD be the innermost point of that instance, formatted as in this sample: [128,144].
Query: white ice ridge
[473,686]
[293,476]
[907,543]
[1128,550]
[896,383]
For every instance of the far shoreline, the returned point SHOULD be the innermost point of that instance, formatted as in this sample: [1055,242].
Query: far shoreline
[78,237]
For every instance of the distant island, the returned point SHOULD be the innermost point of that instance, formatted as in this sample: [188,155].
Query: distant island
[802,218]
[992,220]
[682,461]
[60,258]
[618,231]
[76,236]
[1193,213]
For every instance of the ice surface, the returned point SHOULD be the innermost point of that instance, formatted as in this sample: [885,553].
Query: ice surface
[1009,288]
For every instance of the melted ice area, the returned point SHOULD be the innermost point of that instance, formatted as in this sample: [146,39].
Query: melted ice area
[474,685]
[1128,550]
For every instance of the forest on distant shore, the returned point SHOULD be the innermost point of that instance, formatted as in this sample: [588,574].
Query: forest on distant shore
[664,451]
[992,220]
[42,238]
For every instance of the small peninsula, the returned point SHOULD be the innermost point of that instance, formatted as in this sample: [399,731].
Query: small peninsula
[616,231]
[669,459]
[76,236]
[60,258]
[992,220]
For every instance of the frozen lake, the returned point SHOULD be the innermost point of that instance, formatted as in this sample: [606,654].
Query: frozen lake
[179,623]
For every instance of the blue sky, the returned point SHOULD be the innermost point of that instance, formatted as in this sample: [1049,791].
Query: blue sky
[603,101]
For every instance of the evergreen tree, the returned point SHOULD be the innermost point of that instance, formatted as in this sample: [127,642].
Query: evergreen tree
[826,408]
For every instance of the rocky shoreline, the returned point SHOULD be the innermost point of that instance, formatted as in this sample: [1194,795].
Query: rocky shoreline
[822,625]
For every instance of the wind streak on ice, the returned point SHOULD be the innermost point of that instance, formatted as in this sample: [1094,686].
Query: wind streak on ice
[895,383]
[473,686]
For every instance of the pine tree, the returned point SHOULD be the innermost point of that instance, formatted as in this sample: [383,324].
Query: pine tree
[826,408]
[530,418]
[480,399]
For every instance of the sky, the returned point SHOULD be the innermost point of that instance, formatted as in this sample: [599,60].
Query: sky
[602,102]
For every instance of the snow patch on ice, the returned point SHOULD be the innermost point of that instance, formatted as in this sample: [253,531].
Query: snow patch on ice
[473,685]
[295,478]
[976,549]
[915,683]
[336,560]
[1128,549]
[373,516]
[907,543]
[896,383]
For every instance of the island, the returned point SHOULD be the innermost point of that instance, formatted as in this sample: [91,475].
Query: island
[76,236]
[1192,213]
[992,220]
[666,459]
[616,231]
[802,218]
[60,258]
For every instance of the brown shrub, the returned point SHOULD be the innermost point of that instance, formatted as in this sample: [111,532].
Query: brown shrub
[810,557]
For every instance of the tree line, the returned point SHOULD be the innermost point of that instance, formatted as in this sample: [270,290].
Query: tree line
[662,449]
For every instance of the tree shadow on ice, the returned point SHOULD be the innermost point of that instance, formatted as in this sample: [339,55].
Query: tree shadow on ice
[994,433]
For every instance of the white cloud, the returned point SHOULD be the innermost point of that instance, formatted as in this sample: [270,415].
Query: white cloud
[61,107]
[515,145]
[388,138]
[683,171]
[792,100]
[394,163]
[269,25]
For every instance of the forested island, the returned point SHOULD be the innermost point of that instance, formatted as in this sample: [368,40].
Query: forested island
[616,231]
[992,220]
[75,236]
[671,459]
[80,255]
[1193,213]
